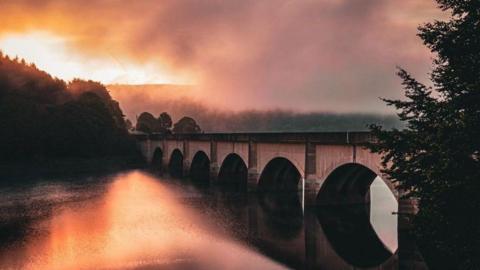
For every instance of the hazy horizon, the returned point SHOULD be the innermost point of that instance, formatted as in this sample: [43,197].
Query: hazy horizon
[175,100]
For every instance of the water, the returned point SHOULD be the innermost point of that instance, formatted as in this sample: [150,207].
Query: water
[135,220]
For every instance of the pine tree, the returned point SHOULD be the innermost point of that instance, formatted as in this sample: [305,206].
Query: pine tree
[437,156]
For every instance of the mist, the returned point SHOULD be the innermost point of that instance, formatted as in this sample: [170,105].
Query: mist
[135,99]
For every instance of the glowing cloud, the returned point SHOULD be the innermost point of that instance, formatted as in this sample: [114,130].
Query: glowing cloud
[304,55]
[53,54]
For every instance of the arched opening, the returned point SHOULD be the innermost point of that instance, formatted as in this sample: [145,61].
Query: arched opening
[279,198]
[233,173]
[348,184]
[175,166]
[355,209]
[157,159]
[280,175]
[200,168]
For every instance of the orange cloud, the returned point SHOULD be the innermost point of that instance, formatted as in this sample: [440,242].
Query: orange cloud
[307,55]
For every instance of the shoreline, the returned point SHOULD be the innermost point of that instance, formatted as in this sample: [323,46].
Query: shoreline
[12,172]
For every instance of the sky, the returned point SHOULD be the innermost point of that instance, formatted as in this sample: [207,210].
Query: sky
[325,55]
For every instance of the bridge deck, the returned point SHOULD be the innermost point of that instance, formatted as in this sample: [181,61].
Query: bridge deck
[358,137]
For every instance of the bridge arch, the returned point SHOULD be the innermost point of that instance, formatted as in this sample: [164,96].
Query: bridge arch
[157,159]
[200,168]
[233,172]
[349,183]
[296,156]
[278,193]
[175,165]
[279,174]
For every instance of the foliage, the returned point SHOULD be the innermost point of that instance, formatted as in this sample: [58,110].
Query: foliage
[78,87]
[128,124]
[164,122]
[45,117]
[186,125]
[147,123]
[437,157]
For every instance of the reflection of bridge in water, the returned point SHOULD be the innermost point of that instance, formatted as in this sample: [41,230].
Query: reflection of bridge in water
[291,172]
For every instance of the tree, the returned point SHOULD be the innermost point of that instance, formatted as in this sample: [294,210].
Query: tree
[128,124]
[164,123]
[77,87]
[437,157]
[43,117]
[146,122]
[186,125]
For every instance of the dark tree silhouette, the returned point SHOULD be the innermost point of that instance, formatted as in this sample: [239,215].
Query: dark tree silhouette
[42,117]
[128,124]
[146,122]
[78,87]
[164,123]
[186,125]
[437,156]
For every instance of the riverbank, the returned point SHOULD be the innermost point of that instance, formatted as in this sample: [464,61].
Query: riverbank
[25,171]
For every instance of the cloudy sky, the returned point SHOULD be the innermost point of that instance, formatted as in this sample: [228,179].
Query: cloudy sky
[324,55]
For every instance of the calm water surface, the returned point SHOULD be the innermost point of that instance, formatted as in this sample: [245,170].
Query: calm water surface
[135,220]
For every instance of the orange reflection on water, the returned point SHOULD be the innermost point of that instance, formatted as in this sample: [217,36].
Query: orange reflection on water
[137,223]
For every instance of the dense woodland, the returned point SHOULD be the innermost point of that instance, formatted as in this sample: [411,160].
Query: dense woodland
[45,117]
[437,157]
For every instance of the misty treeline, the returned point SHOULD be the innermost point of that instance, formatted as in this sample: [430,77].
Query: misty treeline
[213,120]
[42,116]
[282,120]
[147,123]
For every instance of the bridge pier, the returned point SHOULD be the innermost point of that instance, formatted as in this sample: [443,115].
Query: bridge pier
[214,167]
[253,174]
[310,190]
[252,181]
[309,187]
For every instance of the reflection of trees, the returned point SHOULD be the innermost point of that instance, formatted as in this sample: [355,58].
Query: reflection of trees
[350,233]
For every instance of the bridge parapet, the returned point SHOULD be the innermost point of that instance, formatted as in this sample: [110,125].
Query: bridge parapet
[357,137]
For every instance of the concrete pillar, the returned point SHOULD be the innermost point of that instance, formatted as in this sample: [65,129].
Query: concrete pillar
[214,167]
[253,173]
[310,185]
[148,153]
[165,157]
[186,159]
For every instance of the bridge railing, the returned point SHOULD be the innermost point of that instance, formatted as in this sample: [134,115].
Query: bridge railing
[356,137]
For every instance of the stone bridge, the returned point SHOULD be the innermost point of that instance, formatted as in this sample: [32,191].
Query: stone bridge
[325,168]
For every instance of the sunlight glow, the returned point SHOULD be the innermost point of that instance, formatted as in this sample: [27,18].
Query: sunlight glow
[52,54]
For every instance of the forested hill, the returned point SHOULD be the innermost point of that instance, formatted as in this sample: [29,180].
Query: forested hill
[42,116]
